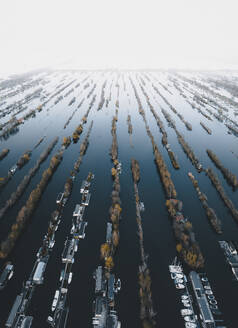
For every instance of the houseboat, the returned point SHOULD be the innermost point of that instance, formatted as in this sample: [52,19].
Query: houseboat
[59,198]
[6,274]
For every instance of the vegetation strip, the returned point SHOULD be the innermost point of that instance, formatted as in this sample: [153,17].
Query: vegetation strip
[129,128]
[162,130]
[187,246]
[108,249]
[27,178]
[27,210]
[4,153]
[187,124]
[230,177]
[211,215]
[186,148]
[215,181]
[104,275]
[146,310]
[209,131]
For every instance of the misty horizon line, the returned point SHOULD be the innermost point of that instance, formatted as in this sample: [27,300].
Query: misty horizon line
[172,69]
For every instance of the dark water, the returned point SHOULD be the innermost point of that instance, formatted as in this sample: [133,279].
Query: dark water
[158,236]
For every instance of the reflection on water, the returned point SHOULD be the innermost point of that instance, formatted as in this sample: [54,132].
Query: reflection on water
[159,240]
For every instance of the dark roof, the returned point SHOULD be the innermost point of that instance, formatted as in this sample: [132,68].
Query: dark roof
[27,322]
[14,310]
[205,310]
[111,282]
[196,280]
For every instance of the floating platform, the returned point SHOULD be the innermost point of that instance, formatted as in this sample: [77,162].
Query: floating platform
[231,254]
[6,275]
[59,198]
[86,199]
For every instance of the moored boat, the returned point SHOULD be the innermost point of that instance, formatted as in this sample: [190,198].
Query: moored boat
[6,274]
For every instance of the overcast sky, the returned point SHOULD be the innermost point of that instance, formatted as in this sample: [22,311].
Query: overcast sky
[123,34]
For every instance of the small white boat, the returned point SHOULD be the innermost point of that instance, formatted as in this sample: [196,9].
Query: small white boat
[184,297]
[56,228]
[189,318]
[179,275]
[211,297]
[13,169]
[207,287]
[190,325]
[175,269]
[187,304]
[6,274]
[142,207]
[72,229]
[62,275]
[56,297]
[178,281]
[59,198]
[213,302]
[185,312]
[204,279]
[51,243]
[179,286]
[185,300]
[119,284]
[70,277]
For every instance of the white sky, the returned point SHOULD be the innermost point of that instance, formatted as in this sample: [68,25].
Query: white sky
[122,34]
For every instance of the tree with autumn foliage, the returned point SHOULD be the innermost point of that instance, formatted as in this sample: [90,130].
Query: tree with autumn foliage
[105,250]
[109,264]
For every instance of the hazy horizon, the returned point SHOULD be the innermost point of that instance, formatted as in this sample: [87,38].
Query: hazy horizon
[123,35]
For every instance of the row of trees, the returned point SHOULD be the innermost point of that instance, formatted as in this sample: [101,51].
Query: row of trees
[20,163]
[211,215]
[27,210]
[4,153]
[160,163]
[72,115]
[186,148]
[102,100]
[184,234]
[83,148]
[79,129]
[230,177]
[187,124]
[146,309]
[24,159]
[108,249]
[187,245]
[205,95]
[91,91]
[27,178]
[39,142]
[66,142]
[209,131]
[162,130]
[129,124]
[77,133]
[215,181]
